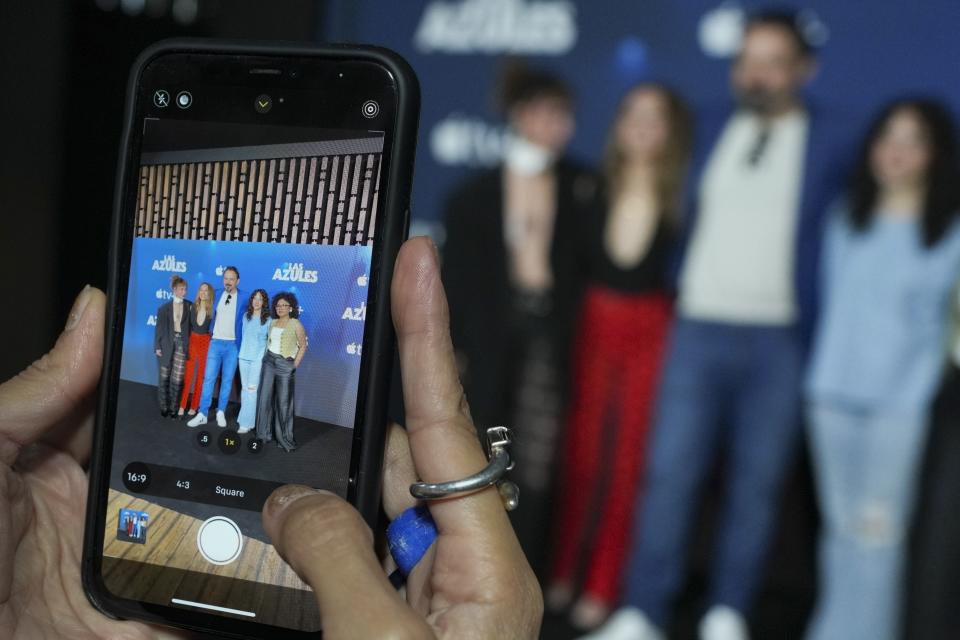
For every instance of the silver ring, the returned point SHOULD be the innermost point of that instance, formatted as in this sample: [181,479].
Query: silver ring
[498,453]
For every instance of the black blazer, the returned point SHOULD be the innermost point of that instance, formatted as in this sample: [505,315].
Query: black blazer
[163,332]
[476,279]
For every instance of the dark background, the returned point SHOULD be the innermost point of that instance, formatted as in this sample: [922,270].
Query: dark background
[64,65]
[64,68]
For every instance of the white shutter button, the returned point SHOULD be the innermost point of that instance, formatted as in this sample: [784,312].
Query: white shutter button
[219,540]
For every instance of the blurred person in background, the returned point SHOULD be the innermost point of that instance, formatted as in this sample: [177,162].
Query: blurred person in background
[933,573]
[891,259]
[513,283]
[733,370]
[621,333]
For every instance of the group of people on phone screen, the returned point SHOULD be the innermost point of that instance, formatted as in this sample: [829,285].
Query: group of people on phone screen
[773,287]
[222,332]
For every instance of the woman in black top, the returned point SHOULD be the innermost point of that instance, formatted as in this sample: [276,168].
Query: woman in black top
[512,281]
[200,315]
[623,327]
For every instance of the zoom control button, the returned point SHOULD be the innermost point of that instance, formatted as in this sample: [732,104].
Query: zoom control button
[229,442]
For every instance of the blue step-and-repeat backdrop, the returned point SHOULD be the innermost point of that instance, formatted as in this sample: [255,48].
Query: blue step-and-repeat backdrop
[870,52]
[330,283]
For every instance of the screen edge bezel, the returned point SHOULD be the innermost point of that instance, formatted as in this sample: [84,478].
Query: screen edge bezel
[364,489]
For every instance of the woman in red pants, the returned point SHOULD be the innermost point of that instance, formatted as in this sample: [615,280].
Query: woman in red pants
[197,349]
[622,330]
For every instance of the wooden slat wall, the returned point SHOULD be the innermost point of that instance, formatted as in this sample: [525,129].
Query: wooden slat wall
[318,200]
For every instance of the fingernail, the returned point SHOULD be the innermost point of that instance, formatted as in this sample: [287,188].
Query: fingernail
[284,497]
[79,306]
[436,251]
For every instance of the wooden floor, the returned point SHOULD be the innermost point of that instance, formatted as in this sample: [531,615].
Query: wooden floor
[172,542]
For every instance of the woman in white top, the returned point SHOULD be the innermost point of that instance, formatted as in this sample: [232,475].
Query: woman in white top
[286,347]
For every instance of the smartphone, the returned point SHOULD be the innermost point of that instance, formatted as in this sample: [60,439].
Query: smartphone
[262,197]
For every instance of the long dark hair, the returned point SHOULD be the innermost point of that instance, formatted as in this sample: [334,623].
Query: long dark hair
[942,197]
[289,297]
[676,153]
[264,309]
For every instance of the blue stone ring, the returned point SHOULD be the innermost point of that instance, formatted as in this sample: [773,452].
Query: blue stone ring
[410,535]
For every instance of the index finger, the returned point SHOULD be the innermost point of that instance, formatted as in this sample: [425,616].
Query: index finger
[443,440]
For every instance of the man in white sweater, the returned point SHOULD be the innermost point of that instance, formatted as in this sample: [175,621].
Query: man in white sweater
[732,377]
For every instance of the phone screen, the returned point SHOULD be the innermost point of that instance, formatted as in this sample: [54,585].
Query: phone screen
[251,231]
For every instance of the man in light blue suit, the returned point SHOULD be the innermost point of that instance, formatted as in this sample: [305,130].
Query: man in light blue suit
[224,348]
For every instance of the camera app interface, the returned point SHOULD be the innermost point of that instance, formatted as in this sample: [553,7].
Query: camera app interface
[242,344]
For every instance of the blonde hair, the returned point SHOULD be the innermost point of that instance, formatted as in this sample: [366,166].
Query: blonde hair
[673,161]
[208,303]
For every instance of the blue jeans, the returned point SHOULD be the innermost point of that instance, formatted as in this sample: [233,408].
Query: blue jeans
[222,354]
[249,383]
[866,466]
[729,388]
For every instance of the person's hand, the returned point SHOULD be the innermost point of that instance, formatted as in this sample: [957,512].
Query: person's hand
[159,353]
[46,422]
[475,581]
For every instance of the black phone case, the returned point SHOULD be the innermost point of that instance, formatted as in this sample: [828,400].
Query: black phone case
[364,489]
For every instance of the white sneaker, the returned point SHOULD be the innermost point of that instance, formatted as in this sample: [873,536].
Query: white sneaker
[558,596]
[198,420]
[589,613]
[221,419]
[723,623]
[628,623]
[244,429]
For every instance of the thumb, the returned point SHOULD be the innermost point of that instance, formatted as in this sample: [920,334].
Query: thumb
[328,544]
[54,386]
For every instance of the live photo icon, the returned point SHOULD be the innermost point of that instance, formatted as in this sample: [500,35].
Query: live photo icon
[132,526]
